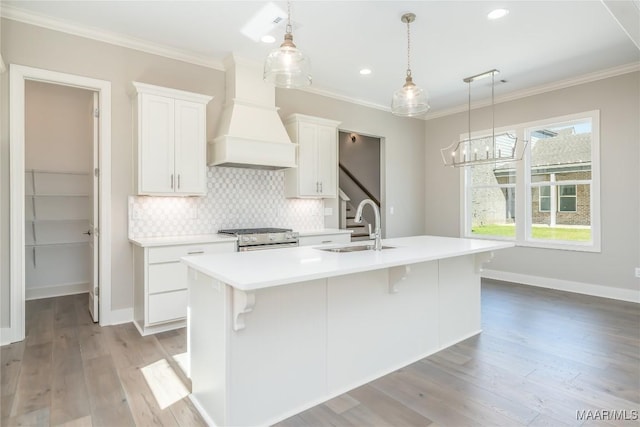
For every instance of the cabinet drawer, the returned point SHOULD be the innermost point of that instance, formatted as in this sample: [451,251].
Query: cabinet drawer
[170,276]
[174,253]
[168,306]
[325,239]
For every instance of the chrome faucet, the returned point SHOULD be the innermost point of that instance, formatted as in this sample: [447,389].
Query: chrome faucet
[377,234]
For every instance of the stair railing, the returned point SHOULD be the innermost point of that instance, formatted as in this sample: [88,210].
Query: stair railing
[359,184]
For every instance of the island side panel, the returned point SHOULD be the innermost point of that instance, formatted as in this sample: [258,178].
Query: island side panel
[278,361]
[459,291]
[209,321]
[373,331]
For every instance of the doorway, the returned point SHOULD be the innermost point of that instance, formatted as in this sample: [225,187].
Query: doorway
[76,198]
[360,177]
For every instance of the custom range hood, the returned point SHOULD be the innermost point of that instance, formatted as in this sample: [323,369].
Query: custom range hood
[250,133]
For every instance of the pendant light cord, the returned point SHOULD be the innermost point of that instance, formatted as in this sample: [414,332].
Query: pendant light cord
[493,108]
[288,29]
[408,48]
[469,115]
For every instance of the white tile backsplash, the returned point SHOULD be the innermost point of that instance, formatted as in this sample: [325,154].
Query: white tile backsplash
[236,198]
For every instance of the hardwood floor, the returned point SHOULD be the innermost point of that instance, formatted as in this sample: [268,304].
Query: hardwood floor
[69,371]
[543,355]
[544,358]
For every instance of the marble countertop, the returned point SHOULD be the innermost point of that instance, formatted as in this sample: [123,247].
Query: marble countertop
[216,238]
[181,240]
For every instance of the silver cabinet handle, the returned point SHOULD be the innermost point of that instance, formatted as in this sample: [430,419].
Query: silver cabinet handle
[194,252]
[178,181]
[172,181]
[321,187]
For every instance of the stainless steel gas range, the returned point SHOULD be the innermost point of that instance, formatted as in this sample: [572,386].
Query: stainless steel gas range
[255,239]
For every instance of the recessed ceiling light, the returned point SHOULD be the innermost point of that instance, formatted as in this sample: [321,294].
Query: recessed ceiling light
[497,14]
[365,71]
[268,39]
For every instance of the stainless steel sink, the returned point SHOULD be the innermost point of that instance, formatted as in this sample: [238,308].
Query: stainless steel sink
[352,248]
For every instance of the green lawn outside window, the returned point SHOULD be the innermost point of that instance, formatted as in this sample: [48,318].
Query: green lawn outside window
[544,233]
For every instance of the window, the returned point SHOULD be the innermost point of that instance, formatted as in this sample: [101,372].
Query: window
[491,197]
[568,198]
[544,199]
[550,199]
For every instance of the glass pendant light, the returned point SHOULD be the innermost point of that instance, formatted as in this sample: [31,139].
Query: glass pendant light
[287,66]
[410,100]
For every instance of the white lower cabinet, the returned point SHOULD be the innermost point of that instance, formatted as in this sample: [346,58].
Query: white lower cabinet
[325,239]
[160,289]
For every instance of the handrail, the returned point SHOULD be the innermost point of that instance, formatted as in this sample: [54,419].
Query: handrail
[359,184]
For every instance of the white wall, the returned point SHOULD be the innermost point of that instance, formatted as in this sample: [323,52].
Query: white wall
[618,99]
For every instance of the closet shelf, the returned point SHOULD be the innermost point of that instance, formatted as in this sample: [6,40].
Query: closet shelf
[38,245]
[56,195]
[57,220]
[57,172]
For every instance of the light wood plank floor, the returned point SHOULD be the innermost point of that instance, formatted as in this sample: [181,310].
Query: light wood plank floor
[69,371]
[543,355]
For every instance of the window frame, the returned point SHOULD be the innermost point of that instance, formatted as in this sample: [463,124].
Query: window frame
[523,187]
[467,190]
[540,196]
[574,196]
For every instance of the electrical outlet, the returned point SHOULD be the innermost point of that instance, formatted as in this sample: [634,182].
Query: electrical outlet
[638,272]
[391,210]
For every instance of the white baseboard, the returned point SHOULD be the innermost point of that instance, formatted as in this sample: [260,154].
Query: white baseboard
[5,336]
[630,295]
[56,291]
[123,315]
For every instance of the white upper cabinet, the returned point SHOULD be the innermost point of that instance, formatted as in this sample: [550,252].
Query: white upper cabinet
[171,141]
[317,157]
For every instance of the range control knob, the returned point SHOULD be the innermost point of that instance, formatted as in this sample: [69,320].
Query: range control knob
[245,238]
[272,237]
[254,239]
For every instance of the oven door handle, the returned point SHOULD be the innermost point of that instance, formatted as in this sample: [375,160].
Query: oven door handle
[267,246]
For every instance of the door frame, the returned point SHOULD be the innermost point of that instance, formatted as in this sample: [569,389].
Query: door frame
[383,174]
[18,75]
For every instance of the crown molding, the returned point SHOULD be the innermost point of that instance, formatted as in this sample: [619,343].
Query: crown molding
[537,90]
[21,15]
[336,96]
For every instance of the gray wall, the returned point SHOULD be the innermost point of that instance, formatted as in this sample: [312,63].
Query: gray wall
[618,99]
[42,48]
[402,155]
[362,159]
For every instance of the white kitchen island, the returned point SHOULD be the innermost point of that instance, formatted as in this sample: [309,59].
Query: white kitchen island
[272,333]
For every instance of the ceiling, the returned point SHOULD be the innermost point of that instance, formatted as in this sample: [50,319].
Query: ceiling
[537,44]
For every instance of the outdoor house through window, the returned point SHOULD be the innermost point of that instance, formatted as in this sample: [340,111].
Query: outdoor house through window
[550,197]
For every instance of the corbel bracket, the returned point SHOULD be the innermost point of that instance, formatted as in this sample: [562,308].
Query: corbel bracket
[481,258]
[396,275]
[243,303]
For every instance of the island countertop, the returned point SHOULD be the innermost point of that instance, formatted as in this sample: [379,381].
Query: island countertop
[249,271]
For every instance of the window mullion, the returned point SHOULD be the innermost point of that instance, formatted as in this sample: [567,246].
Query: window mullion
[523,193]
